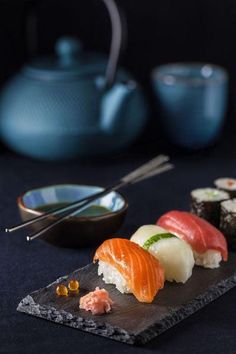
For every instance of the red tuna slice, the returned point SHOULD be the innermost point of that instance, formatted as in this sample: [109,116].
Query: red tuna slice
[200,234]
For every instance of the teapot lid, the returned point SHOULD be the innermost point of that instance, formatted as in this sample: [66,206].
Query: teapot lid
[71,62]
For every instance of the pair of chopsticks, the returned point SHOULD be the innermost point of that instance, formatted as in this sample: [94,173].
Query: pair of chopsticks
[152,168]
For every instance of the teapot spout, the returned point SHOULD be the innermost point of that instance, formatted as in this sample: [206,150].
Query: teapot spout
[113,106]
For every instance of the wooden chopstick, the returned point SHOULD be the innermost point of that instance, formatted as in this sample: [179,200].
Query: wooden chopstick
[161,169]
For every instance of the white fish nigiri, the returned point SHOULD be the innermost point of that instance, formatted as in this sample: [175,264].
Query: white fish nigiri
[174,254]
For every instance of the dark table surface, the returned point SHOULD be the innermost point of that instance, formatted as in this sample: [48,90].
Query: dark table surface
[26,267]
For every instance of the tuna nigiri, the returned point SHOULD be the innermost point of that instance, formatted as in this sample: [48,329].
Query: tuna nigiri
[130,268]
[208,243]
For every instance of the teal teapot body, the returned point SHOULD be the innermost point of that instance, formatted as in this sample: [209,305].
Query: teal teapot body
[66,106]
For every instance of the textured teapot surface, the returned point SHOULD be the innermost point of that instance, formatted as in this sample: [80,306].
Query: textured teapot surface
[59,108]
[75,104]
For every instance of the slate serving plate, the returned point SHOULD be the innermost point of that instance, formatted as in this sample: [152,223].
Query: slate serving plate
[130,321]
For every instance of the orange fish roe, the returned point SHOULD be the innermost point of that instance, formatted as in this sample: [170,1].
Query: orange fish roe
[62,290]
[73,285]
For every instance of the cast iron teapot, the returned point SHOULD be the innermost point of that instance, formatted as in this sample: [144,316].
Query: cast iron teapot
[66,106]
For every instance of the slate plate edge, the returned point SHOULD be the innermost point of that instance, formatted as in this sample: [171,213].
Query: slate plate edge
[176,316]
[119,334]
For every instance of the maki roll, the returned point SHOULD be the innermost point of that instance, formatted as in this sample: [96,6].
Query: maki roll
[130,268]
[205,202]
[208,244]
[228,221]
[175,255]
[226,184]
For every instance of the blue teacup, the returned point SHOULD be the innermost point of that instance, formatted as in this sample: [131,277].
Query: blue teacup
[192,98]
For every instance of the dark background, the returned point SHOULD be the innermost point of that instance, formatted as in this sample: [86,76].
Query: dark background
[158,32]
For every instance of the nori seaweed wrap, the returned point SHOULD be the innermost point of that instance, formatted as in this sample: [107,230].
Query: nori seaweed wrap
[205,202]
[228,222]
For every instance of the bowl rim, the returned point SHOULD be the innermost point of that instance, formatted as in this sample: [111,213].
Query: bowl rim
[157,74]
[36,212]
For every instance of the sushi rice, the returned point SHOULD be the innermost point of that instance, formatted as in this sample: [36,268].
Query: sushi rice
[229,205]
[227,184]
[209,195]
[112,276]
[209,259]
[175,255]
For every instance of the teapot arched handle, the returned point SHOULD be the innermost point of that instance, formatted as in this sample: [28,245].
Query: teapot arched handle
[118,38]
[118,24]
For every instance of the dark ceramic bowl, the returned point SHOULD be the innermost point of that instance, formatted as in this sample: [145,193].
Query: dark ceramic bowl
[77,231]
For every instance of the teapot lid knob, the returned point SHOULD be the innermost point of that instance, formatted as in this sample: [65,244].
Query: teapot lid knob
[68,49]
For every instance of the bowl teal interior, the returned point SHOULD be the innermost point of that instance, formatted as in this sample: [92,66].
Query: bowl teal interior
[69,193]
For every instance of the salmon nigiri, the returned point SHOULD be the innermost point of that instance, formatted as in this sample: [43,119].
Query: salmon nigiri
[208,243]
[130,268]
